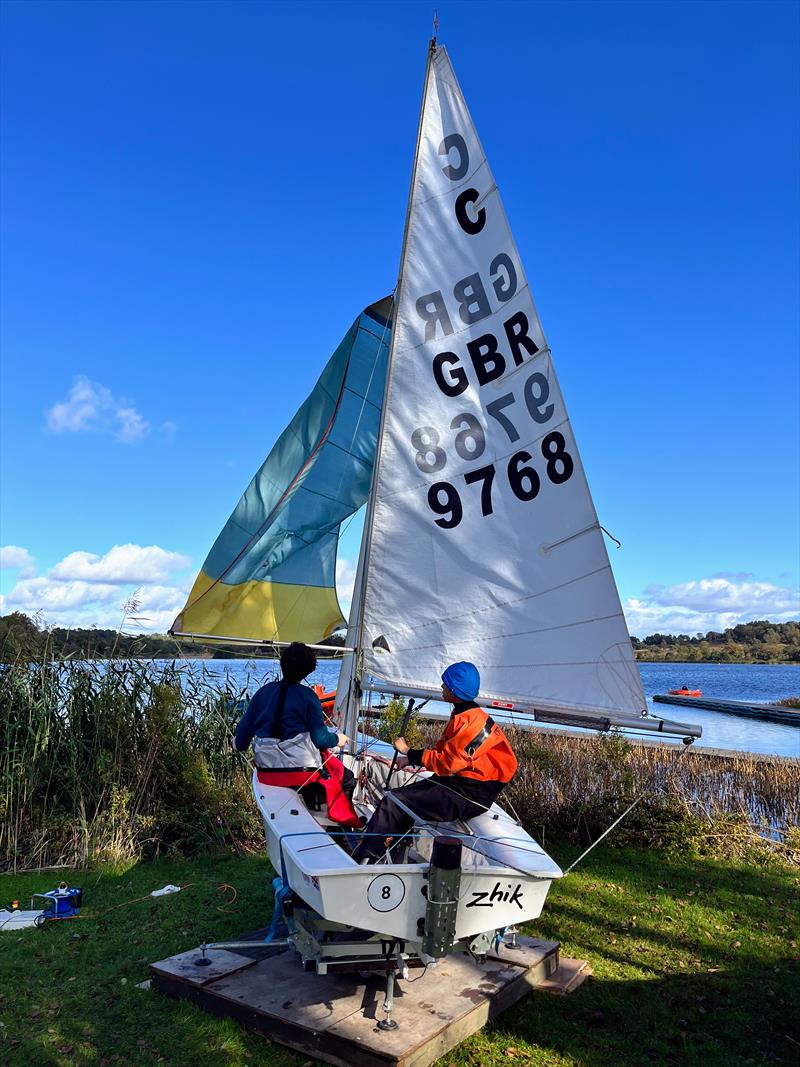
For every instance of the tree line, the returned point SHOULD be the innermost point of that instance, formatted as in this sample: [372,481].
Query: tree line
[749,642]
[22,638]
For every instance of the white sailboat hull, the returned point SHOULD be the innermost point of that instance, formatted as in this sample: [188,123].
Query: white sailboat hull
[505,875]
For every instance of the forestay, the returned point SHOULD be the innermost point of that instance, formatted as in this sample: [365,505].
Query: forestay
[485,544]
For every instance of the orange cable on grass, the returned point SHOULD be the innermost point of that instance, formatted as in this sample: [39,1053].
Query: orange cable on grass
[227,905]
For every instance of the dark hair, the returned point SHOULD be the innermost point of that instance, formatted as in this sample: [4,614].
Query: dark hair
[297,662]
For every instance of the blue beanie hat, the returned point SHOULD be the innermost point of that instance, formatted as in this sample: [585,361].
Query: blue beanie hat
[463,680]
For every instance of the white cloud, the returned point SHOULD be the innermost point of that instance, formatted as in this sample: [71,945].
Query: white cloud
[82,410]
[43,594]
[85,590]
[132,427]
[13,557]
[122,564]
[90,406]
[714,603]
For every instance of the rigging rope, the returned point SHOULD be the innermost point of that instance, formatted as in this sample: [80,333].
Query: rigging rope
[629,809]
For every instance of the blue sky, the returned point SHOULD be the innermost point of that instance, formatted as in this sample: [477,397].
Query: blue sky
[198,198]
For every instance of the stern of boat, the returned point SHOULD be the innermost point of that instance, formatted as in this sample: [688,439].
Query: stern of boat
[504,877]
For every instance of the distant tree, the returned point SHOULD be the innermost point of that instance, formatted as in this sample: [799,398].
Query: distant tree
[20,638]
[760,641]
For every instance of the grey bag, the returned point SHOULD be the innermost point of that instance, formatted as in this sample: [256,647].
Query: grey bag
[298,753]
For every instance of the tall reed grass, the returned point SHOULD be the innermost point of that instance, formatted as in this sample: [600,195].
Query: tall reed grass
[117,759]
[112,759]
[572,788]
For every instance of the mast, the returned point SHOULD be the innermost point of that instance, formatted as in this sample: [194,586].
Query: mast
[347,690]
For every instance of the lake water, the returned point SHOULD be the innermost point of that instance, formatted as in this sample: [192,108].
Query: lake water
[758,682]
[725,681]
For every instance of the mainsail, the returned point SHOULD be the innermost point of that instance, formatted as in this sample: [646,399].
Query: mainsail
[483,542]
[270,575]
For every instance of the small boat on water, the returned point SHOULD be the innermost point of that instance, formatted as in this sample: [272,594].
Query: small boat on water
[685,692]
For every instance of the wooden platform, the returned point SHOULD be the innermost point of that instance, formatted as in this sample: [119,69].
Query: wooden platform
[767,712]
[334,1017]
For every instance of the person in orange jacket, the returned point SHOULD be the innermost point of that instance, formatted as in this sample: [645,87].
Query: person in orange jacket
[470,763]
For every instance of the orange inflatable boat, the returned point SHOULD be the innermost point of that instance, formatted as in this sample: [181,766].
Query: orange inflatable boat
[684,692]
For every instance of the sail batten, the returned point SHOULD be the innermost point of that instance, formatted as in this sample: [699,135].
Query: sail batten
[483,535]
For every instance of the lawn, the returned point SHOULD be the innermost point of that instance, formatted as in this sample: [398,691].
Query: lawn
[695,961]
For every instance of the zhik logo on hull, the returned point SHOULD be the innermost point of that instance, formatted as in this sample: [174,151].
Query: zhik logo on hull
[498,896]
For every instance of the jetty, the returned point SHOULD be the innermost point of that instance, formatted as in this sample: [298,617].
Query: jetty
[766,712]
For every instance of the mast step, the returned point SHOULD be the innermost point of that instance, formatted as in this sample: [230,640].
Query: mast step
[335,1017]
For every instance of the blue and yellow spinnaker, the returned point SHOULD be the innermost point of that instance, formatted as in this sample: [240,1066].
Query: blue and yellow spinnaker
[271,574]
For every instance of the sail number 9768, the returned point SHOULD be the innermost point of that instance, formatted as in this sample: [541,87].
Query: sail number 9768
[523,479]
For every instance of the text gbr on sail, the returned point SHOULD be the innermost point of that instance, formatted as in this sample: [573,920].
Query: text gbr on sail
[472,301]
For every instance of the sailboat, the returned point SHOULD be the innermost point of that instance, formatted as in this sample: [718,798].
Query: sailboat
[441,411]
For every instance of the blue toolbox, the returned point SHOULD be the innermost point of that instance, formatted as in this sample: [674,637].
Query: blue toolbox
[62,903]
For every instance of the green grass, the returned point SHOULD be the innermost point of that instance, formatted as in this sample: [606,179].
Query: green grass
[693,964]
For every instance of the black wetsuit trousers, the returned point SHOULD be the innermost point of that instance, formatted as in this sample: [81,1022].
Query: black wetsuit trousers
[434,799]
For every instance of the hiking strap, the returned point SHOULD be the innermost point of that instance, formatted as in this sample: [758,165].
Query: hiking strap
[478,739]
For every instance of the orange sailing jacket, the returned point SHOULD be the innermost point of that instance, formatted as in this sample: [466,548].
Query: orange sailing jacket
[472,746]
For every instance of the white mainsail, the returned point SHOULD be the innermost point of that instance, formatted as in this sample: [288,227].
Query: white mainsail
[482,540]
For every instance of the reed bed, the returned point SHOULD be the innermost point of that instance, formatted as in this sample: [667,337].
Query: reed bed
[111,760]
[114,759]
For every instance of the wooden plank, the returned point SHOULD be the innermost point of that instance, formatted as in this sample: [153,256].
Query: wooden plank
[334,1017]
[296,1007]
[530,952]
[184,968]
[434,1013]
[566,978]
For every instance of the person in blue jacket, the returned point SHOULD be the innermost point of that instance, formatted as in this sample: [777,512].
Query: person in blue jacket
[301,712]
